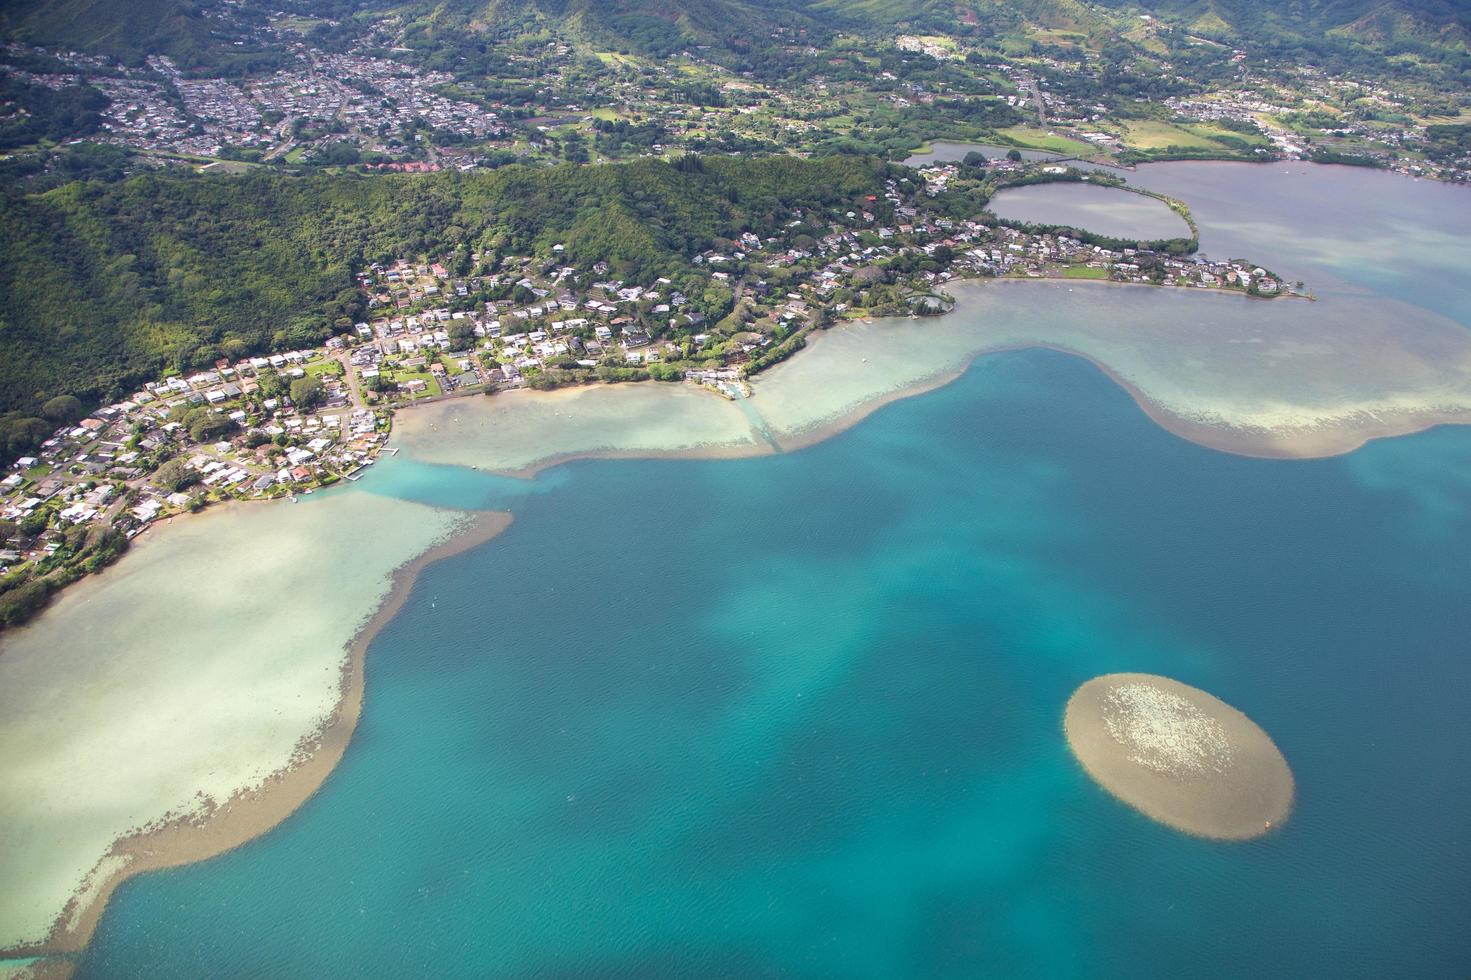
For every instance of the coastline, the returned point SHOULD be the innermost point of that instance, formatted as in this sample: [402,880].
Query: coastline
[715,450]
[1321,441]
[1324,440]
[251,813]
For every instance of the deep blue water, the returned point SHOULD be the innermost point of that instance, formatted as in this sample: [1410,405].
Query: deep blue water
[801,716]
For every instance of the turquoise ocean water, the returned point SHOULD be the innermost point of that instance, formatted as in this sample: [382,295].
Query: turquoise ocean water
[801,715]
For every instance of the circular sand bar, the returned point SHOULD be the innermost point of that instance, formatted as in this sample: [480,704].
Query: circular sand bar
[1179,755]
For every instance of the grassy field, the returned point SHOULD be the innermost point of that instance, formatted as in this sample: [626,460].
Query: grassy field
[1066,39]
[1083,272]
[1207,131]
[402,376]
[614,58]
[1040,139]
[1148,134]
[324,367]
[298,24]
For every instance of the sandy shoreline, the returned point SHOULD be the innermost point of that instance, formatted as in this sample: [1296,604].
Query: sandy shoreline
[248,815]
[1331,438]
[1258,443]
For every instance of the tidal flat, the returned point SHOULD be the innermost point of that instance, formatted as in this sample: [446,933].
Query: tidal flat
[1280,378]
[199,670]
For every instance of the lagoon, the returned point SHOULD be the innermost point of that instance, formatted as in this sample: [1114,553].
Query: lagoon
[798,712]
[806,719]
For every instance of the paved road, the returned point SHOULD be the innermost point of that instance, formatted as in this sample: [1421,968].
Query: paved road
[1036,91]
[345,360]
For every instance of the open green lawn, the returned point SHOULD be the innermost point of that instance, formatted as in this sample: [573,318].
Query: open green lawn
[324,366]
[1066,39]
[1149,134]
[1083,272]
[1040,139]
[299,24]
[1207,131]
[402,376]
[614,58]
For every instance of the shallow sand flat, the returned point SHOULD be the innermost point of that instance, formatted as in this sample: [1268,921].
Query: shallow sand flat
[1179,755]
[188,672]
[1281,377]
[522,431]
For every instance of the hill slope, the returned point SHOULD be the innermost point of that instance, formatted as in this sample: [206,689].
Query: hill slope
[133,29]
[1371,22]
[109,284]
[191,33]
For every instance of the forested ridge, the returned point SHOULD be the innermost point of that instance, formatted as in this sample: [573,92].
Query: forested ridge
[748,35]
[109,284]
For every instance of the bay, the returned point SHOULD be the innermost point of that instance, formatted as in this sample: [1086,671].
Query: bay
[800,713]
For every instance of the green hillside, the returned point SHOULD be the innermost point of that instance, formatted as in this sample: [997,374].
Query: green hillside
[749,34]
[109,284]
[132,30]
[1370,22]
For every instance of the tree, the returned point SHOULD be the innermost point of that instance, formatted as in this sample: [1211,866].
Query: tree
[22,434]
[1015,156]
[271,385]
[63,410]
[175,475]
[21,603]
[461,334]
[205,425]
[307,393]
[35,523]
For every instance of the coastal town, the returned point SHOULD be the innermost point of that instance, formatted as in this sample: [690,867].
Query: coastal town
[338,99]
[286,424]
[734,487]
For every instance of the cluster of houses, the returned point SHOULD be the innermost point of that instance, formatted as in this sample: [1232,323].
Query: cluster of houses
[366,100]
[432,333]
[108,469]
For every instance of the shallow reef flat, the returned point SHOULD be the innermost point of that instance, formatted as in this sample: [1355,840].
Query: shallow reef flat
[202,664]
[1277,378]
[520,432]
[1280,378]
